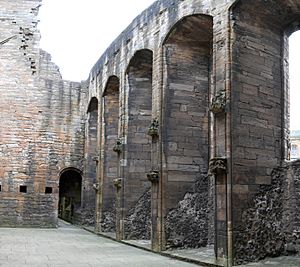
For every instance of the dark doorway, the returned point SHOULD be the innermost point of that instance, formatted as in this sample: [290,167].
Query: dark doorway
[70,196]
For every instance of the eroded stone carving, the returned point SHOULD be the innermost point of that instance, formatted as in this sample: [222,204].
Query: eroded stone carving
[153,128]
[96,186]
[96,158]
[218,102]
[218,166]
[118,183]
[153,176]
[118,147]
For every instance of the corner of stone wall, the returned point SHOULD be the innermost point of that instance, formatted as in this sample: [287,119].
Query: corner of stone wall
[270,226]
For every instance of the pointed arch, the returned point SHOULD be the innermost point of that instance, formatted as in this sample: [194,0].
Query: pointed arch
[188,50]
[111,113]
[139,84]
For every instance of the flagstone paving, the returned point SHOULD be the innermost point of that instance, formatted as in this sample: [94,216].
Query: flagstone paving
[71,246]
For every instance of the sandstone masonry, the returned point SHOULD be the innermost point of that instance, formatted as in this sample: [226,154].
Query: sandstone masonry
[179,136]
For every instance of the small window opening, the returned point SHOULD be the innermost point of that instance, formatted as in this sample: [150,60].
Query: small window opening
[48,190]
[0,187]
[23,189]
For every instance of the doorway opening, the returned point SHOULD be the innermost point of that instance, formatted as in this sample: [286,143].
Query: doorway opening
[69,204]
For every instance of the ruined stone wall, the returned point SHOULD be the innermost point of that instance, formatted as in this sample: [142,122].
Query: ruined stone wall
[257,136]
[260,121]
[200,50]
[91,161]
[272,220]
[110,167]
[42,128]
[138,152]
[188,225]
[185,130]
[185,70]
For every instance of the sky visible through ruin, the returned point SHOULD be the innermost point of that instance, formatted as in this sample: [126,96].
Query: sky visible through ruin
[294,58]
[77,32]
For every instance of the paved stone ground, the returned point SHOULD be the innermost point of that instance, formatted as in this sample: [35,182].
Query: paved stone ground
[204,255]
[72,246]
[289,261]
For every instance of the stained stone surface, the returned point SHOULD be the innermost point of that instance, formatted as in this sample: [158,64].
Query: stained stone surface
[187,226]
[70,246]
[169,63]
[108,222]
[272,221]
[138,220]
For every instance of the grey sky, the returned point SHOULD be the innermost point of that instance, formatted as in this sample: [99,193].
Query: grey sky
[77,32]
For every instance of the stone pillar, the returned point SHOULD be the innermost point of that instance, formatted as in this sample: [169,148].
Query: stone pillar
[118,183]
[218,168]
[97,189]
[153,177]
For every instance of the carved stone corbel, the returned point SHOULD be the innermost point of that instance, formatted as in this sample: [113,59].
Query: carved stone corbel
[153,176]
[96,158]
[118,183]
[118,147]
[96,186]
[153,128]
[218,103]
[218,166]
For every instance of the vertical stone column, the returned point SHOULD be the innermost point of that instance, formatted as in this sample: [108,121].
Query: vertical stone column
[157,159]
[98,185]
[118,183]
[218,168]
[221,147]
[153,177]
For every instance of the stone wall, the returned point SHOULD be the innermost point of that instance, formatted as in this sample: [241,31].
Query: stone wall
[213,80]
[189,224]
[272,221]
[185,132]
[138,218]
[260,120]
[187,69]
[91,162]
[111,113]
[138,145]
[42,125]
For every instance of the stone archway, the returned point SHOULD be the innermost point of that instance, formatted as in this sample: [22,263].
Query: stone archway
[260,128]
[92,159]
[137,189]
[70,188]
[188,218]
[112,143]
